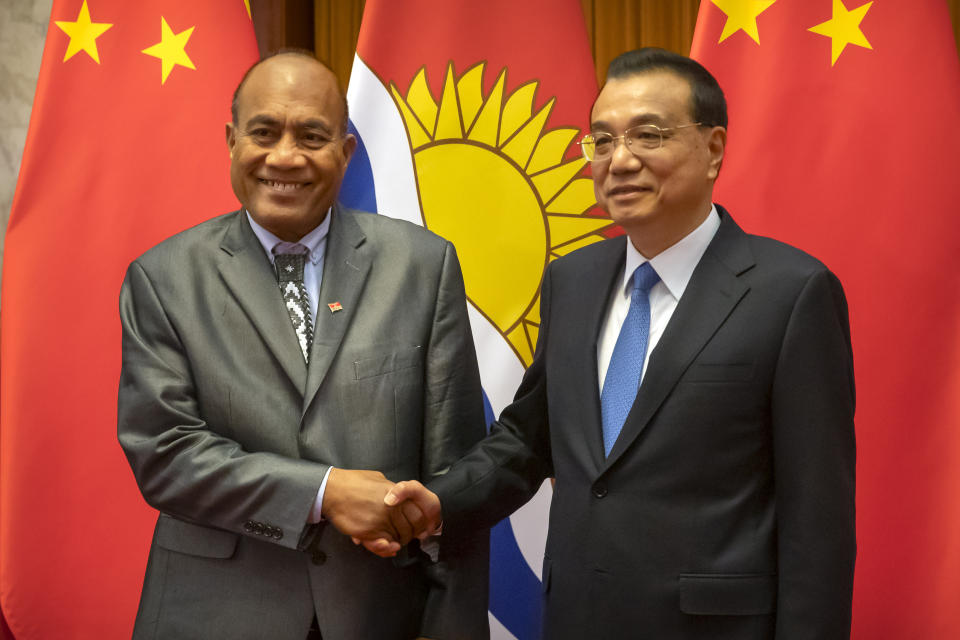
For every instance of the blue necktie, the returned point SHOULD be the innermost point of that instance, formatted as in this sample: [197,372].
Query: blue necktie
[626,364]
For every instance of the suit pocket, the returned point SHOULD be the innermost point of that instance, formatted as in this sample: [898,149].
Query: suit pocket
[719,372]
[194,539]
[386,363]
[728,594]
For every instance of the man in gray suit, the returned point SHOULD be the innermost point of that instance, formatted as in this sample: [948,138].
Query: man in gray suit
[692,393]
[263,420]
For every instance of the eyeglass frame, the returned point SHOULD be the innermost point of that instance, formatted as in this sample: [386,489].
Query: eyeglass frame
[613,139]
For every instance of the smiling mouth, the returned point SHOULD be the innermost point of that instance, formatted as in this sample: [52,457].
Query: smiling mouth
[281,186]
[626,190]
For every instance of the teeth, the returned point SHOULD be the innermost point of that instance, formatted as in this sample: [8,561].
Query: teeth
[282,186]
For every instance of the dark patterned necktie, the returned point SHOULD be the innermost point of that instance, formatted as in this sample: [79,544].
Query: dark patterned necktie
[289,262]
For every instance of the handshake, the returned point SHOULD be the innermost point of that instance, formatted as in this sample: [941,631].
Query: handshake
[381,515]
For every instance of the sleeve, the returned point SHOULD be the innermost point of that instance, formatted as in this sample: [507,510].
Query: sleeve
[453,422]
[507,467]
[182,467]
[812,409]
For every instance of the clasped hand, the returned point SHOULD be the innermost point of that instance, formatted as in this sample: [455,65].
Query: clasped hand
[375,512]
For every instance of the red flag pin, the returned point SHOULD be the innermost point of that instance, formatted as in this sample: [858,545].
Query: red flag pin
[335,306]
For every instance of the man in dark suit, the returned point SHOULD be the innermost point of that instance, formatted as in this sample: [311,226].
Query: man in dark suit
[692,393]
[261,419]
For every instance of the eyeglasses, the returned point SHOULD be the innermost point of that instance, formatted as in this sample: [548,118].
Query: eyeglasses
[644,137]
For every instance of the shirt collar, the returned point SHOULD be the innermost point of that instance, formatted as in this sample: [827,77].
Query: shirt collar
[675,265]
[313,241]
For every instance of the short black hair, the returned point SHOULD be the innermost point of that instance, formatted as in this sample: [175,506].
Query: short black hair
[709,104]
[286,51]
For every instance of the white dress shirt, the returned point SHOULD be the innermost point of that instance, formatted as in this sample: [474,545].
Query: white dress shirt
[674,265]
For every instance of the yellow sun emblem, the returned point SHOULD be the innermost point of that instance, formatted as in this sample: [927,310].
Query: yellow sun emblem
[493,183]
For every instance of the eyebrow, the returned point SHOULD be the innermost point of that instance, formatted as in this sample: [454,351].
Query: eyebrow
[646,118]
[313,123]
[270,121]
[262,119]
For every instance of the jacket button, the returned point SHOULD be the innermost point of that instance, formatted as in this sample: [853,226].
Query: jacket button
[599,490]
[318,557]
[248,526]
[277,533]
[258,528]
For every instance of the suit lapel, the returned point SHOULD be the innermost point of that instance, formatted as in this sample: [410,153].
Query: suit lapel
[597,283]
[712,293]
[345,269]
[247,272]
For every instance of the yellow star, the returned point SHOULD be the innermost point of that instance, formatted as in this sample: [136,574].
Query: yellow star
[742,14]
[246,3]
[843,29]
[171,49]
[83,34]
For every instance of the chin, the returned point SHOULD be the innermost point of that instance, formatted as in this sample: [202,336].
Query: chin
[631,217]
[277,221]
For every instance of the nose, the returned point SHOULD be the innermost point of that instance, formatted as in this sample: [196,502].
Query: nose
[623,159]
[285,154]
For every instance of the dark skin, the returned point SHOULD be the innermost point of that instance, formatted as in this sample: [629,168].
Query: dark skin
[288,154]
[288,148]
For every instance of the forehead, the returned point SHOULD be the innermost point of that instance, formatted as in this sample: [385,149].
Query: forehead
[652,96]
[290,87]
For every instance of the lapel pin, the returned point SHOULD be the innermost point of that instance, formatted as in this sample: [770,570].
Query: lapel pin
[335,306]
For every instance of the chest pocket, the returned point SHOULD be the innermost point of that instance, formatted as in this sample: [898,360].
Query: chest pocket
[719,372]
[387,363]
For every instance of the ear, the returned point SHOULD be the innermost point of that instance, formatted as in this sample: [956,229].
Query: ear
[716,146]
[231,136]
[348,147]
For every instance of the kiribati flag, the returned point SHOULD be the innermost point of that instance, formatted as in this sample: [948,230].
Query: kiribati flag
[467,114]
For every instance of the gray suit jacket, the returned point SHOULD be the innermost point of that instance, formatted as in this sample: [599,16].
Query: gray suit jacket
[229,432]
[725,509]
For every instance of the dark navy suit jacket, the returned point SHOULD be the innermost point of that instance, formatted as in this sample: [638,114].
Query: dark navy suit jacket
[726,507]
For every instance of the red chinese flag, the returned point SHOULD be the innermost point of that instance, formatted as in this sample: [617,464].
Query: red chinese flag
[843,139]
[125,147]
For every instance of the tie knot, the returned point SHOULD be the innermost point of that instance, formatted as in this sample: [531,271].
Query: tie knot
[283,248]
[289,267]
[644,278]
